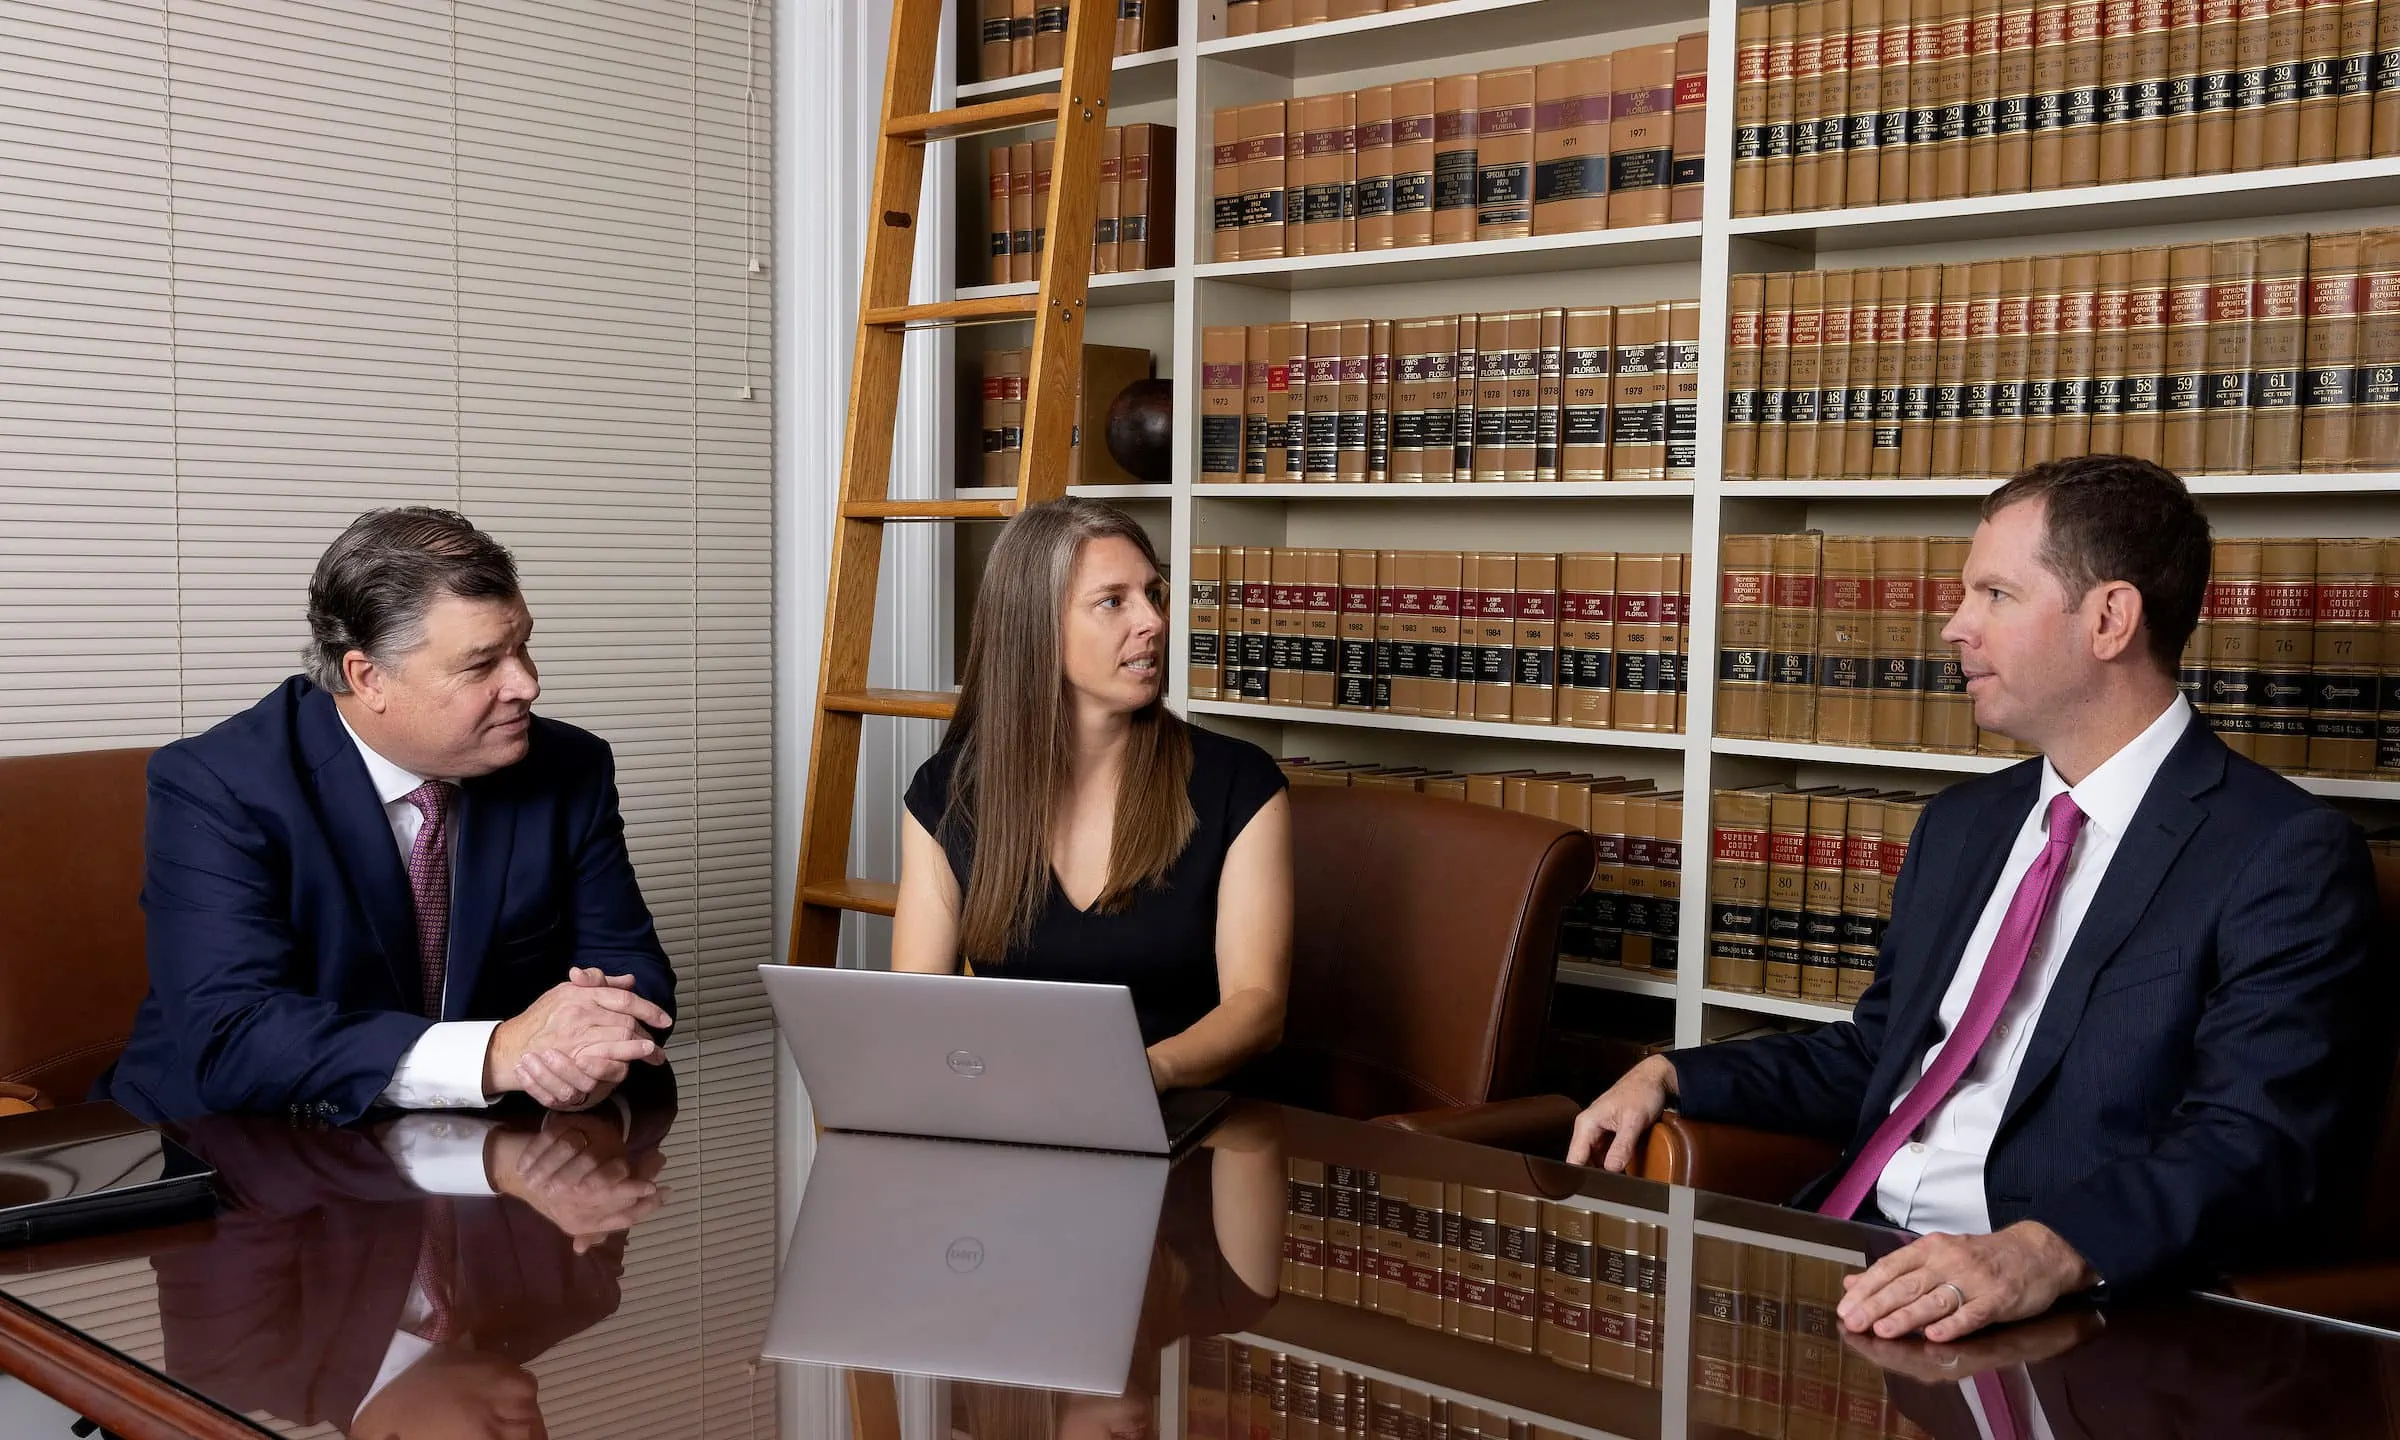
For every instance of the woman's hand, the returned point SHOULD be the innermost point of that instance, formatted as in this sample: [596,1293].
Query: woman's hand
[1158,1071]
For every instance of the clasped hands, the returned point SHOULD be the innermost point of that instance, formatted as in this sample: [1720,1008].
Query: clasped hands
[577,1173]
[572,1047]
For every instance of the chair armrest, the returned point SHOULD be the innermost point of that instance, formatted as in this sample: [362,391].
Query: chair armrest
[1540,1124]
[15,1098]
[2367,1293]
[1732,1159]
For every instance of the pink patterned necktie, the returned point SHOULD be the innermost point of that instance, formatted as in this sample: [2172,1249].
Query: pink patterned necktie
[2000,971]
[437,1271]
[429,886]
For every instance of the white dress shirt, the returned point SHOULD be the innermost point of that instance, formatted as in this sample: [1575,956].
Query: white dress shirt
[1935,1182]
[445,1067]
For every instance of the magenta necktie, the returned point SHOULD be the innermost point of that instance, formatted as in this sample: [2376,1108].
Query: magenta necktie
[2000,971]
[429,886]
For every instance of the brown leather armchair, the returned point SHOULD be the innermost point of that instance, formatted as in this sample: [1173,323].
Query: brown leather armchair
[73,971]
[1424,945]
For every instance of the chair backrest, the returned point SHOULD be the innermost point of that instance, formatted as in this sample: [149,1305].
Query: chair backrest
[1425,942]
[72,971]
[2382,1211]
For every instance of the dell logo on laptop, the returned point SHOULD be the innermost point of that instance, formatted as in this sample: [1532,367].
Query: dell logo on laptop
[964,1255]
[966,1063]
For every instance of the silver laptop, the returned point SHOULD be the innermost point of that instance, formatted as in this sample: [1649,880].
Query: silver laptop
[1028,1062]
[967,1261]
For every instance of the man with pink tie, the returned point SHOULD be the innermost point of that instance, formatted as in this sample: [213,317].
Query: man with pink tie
[2123,1000]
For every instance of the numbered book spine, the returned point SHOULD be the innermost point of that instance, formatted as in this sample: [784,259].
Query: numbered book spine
[1355,650]
[1206,568]
[1737,891]
[1504,133]
[1896,711]
[1413,151]
[1455,109]
[1690,172]
[2330,377]
[1641,143]
[1821,899]
[1749,111]
[2345,657]
[1862,929]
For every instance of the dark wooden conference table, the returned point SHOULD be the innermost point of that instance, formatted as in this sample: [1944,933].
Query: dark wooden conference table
[1296,1277]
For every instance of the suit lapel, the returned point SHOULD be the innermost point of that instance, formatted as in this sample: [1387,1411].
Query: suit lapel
[487,827]
[361,838]
[2161,825]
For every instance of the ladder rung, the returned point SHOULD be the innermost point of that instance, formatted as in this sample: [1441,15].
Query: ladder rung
[907,704]
[982,310]
[929,509]
[870,897]
[1009,114]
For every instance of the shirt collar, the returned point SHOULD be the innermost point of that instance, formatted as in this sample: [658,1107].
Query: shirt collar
[391,782]
[2111,793]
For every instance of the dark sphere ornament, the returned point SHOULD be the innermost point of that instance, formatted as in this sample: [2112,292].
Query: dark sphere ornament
[1141,430]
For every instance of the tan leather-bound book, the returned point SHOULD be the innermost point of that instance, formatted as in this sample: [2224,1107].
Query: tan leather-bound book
[2252,22]
[1456,105]
[2041,358]
[1412,345]
[1862,144]
[1304,1230]
[1983,97]
[2106,433]
[1146,229]
[1478,1263]
[1895,116]
[2191,667]
[1637,444]
[2230,684]
[992,32]
[1225,183]
[1866,310]
[1380,335]
[1787,891]
[2354,114]
[2375,437]
[996,213]
[1488,634]
[1446,391]
[2287,619]
[1950,373]
[1570,145]
[1020,37]
[2071,394]
[1504,153]
[1400,609]
[992,420]
[1717,1333]
[2046,159]
[1925,95]
[2278,341]
[1533,693]
[1222,352]
[1749,110]
[1766,1360]
[1205,575]
[1587,666]
[2214,97]
[1783,27]
[1413,150]
[1640,701]
[1321,435]
[1774,374]
[1683,390]
[1286,623]
[1257,428]
[1438,694]
[1391,691]
[1241,17]
[2079,147]
[1521,390]
[1550,374]
[1144,25]
[1744,297]
[1258,623]
[1896,710]
[1641,136]
[1900,815]
[2012,113]
[2329,376]
[2318,138]
[1516,1302]
[1586,390]
[1792,637]
[1277,14]
[2183,384]
[1691,125]
[2344,658]
[1314,225]
[1263,180]
[1948,722]
[1424,1261]
[1845,641]
[2119,25]
[1808,60]
[1891,337]
[1354,631]
[1950,87]
[1042,152]
[2387,706]
[2183,89]
[1233,622]
[1020,212]
[2143,409]
[1565,1326]
[1745,576]
[1805,376]
[1821,898]
[2286,39]
[2146,103]
[1489,455]
[1737,889]
[1109,201]
[1371,163]
[1833,375]
[1916,370]
[1311,12]
[1287,403]
[1466,366]
[1353,364]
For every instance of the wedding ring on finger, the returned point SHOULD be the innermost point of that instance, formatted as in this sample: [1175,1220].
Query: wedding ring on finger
[1952,1287]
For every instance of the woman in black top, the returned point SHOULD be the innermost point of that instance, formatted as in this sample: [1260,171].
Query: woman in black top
[1073,828]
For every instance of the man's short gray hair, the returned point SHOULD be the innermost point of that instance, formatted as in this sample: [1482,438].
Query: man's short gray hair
[374,584]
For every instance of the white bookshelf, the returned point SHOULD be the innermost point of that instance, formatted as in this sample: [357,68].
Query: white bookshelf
[1166,310]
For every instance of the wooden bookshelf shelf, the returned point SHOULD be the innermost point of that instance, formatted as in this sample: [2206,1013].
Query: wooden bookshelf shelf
[1774,1005]
[1862,755]
[1159,494]
[1610,977]
[1474,260]
[2255,486]
[1398,37]
[1131,287]
[1138,80]
[1484,729]
[1602,490]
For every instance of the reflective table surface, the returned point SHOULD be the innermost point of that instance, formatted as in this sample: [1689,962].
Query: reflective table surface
[1294,1277]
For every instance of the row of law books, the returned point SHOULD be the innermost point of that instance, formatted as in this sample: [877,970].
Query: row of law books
[1023,37]
[1235,1390]
[1632,912]
[1878,102]
[1253,17]
[1000,415]
[1579,1286]
[1800,887]
[1588,639]
[1605,142]
[1586,393]
[1767,1351]
[2239,357]
[1837,639]
[1134,228]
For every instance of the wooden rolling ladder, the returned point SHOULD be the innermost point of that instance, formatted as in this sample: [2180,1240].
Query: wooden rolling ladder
[1079,107]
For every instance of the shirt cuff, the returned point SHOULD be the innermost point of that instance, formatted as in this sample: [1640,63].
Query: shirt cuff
[444,1069]
[441,1154]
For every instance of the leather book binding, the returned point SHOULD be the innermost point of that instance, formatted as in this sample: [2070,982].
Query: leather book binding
[1413,146]
[1821,898]
[1744,295]
[1791,637]
[2345,659]
[1896,644]
[1456,106]
[1845,645]
[1948,720]
[1205,577]
[1690,129]
[1749,109]
[1371,191]
[1737,890]
[2329,378]
[1587,608]
[1504,153]
[1641,135]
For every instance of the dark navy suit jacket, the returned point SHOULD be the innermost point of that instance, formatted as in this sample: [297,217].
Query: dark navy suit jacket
[282,939]
[2195,1071]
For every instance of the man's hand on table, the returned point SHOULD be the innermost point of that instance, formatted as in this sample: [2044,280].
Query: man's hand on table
[2018,1272]
[1932,1363]
[571,1047]
[1623,1115]
[575,1172]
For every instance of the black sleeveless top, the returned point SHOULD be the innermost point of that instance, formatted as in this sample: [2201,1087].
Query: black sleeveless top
[1163,944]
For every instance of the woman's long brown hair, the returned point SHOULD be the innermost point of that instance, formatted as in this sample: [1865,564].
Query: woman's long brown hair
[1014,730]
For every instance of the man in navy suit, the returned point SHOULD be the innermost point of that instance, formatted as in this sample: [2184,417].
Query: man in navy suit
[390,882]
[2121,1006]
